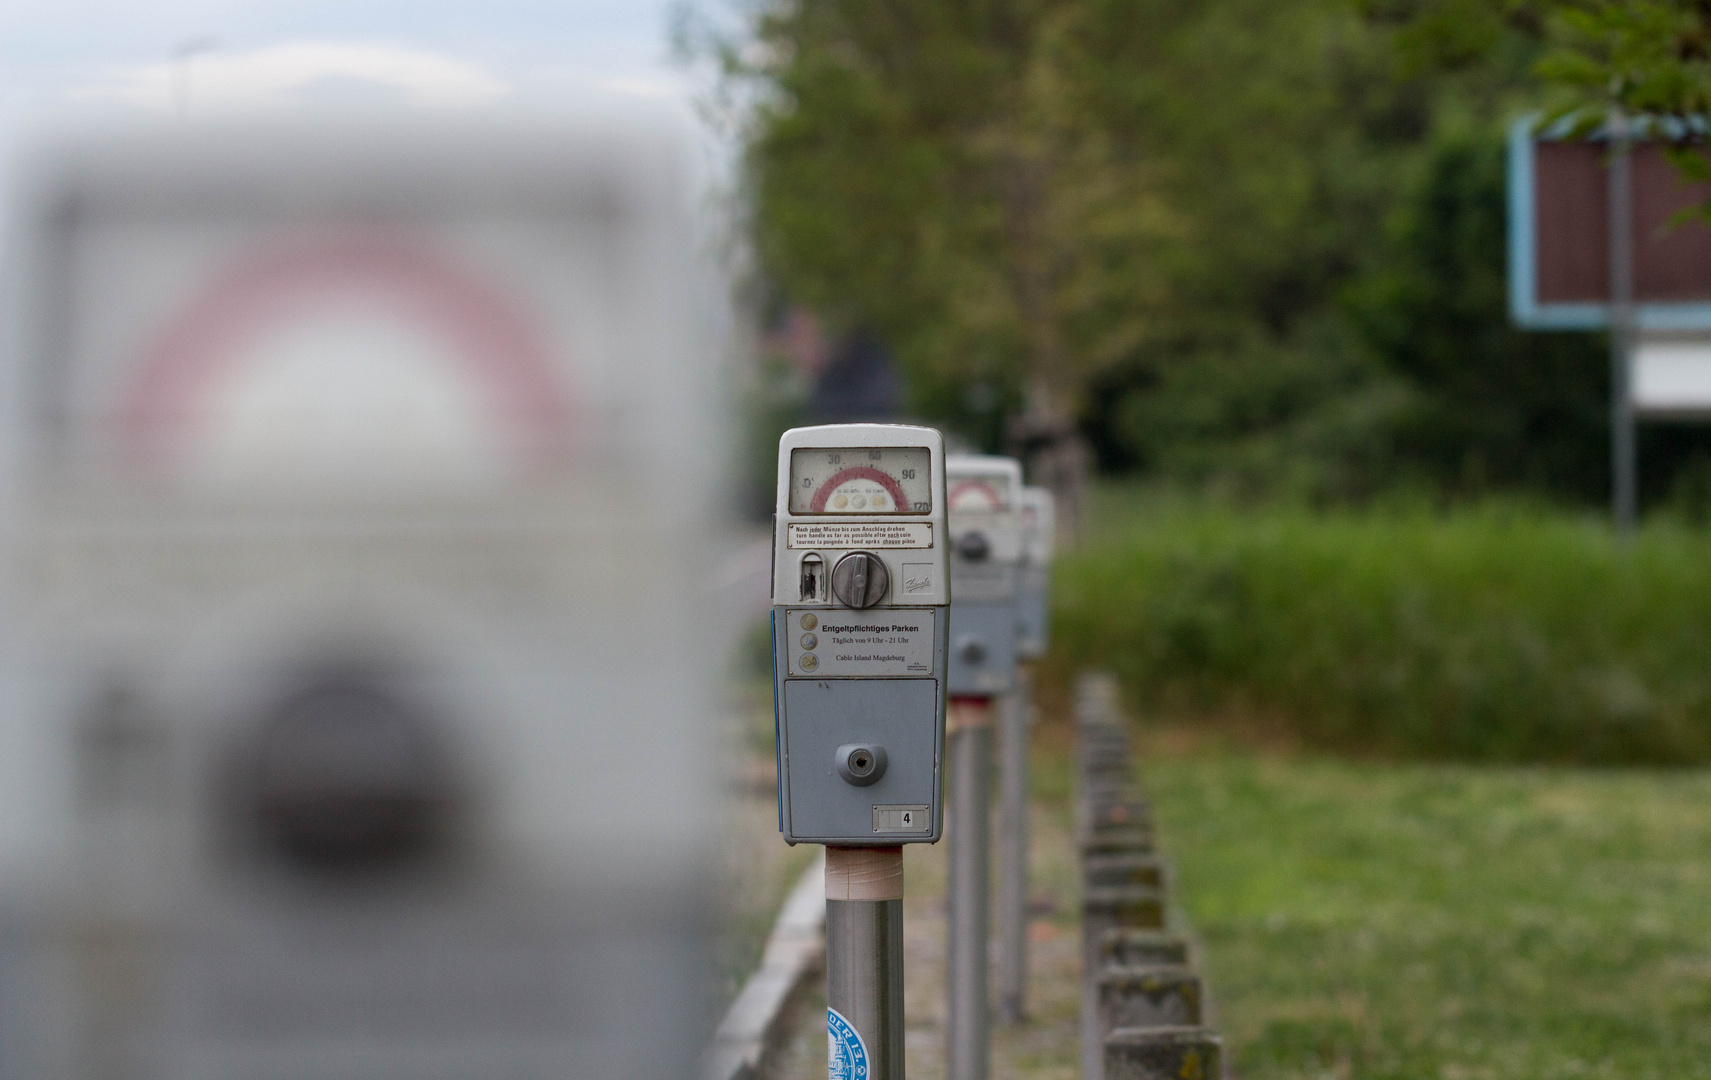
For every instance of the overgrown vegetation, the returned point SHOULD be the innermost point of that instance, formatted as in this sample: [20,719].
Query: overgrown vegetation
[1409,921]
[1503,631]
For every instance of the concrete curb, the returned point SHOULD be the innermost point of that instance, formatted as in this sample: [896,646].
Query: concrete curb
[742,1040]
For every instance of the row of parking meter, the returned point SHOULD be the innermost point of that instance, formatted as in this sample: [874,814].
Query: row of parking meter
[879,678]
[984,495]
[1033,621]
[1002,536]
[861,591]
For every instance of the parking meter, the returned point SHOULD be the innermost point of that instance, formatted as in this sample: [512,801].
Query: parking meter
[983,496]
[1033,606]
[360,699]
[860,592]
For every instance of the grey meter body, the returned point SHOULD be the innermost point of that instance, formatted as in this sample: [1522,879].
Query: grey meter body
[983,509]
[861,590]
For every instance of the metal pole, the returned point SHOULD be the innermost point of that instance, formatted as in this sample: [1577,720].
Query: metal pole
[864,963]
[1624,465]
[1015,718]
[971,764]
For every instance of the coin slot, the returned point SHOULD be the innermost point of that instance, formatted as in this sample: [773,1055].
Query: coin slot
[813,577]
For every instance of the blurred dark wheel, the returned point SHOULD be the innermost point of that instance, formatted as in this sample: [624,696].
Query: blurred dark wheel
[346,777]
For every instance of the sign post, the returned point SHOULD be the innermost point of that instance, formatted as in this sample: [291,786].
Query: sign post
[1594,245]
[1623,464]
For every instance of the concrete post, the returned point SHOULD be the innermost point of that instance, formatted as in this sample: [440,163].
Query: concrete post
[1156,996]
[1171,1053]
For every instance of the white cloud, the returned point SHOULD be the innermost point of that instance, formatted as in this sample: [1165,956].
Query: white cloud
[303,72]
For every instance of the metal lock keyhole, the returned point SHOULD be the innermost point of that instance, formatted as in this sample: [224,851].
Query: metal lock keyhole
[972,650]
[860,579]
[861,764]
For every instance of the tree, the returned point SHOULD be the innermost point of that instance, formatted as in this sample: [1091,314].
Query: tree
[935,171]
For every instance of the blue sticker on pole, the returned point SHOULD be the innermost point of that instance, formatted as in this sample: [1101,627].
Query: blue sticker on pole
[846,1054]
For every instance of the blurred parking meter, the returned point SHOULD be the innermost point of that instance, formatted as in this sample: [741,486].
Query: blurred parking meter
[360,681]
[984,498]
[1033,612]
[860,590]
[1038,523]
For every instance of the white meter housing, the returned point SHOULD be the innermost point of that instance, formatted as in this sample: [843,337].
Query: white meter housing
[359,696]
[984,496]
[1033,604]
[860,591]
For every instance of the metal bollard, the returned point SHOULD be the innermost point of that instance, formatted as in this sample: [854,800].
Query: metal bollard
[970,740]
[1172,1053]
[864,950]
[1158,996]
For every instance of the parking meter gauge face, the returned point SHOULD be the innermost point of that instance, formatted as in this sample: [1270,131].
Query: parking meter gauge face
[861,480]
[976,497]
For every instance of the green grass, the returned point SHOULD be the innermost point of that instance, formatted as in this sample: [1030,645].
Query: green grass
[1500,632]
[1366,921]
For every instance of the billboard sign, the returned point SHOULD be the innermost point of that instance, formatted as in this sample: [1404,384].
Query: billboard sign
[1559,242]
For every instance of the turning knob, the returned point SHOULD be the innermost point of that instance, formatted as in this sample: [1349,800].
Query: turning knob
[860,580]
[973,546]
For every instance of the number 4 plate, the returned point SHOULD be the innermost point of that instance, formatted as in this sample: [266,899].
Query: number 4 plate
[900,819]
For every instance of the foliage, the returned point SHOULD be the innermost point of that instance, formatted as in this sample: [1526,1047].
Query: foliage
[1648,59]
[1498,632]
[773,400]
[1235,213]
[1490,406]
[1368,921]
[938,172]
[1256,244]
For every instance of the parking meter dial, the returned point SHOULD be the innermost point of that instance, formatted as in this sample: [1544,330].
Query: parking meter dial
[860,480]
[860,579]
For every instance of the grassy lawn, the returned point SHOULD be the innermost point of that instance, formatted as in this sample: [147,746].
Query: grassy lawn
[1377,920]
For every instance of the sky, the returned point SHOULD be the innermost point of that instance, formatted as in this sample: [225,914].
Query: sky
[150,54]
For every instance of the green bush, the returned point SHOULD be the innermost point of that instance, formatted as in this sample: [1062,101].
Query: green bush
[1500,632]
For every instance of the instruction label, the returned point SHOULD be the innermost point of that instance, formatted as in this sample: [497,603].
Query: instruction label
[845,643]
[829,535]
